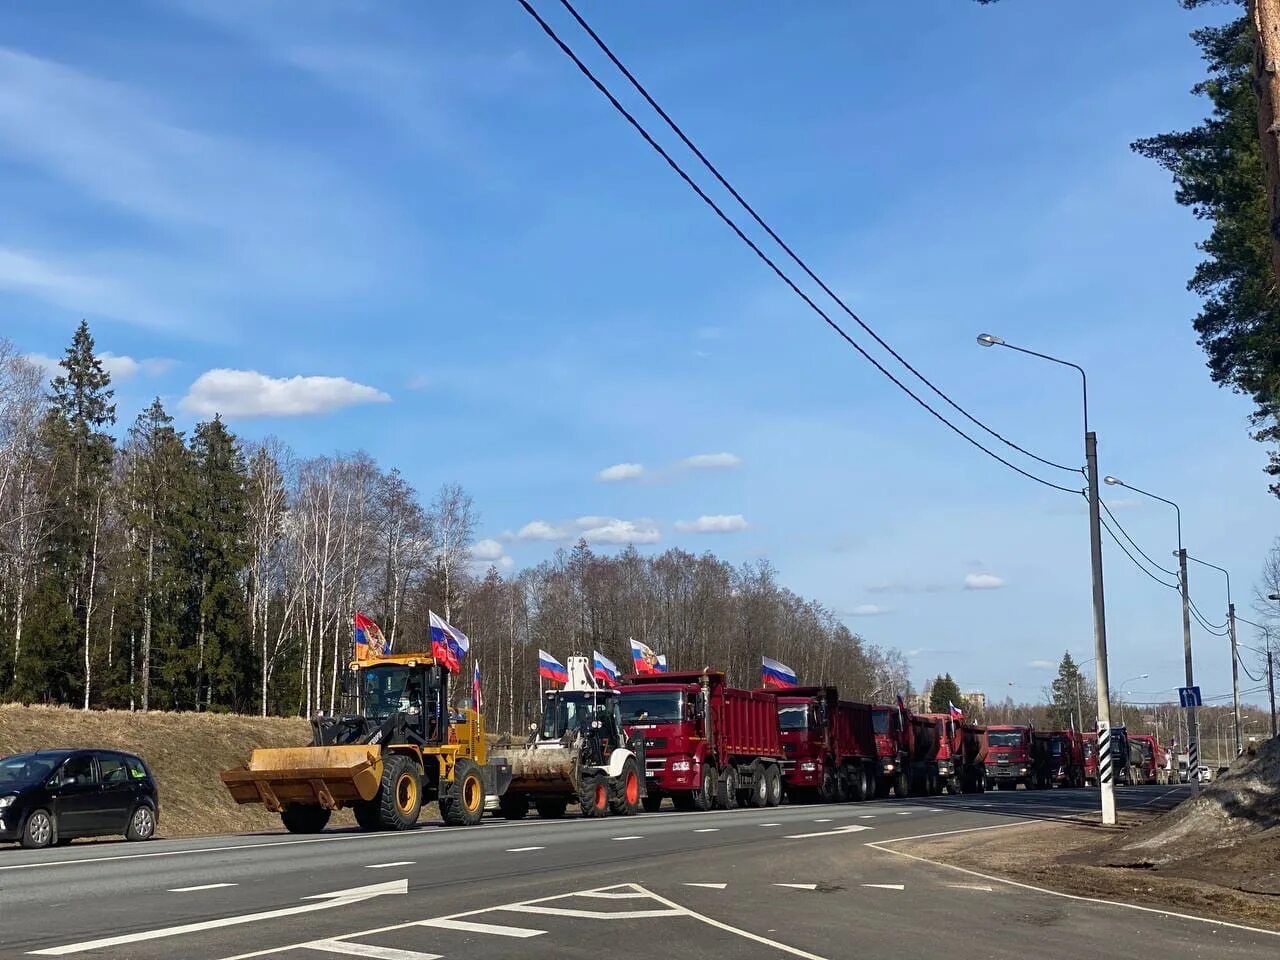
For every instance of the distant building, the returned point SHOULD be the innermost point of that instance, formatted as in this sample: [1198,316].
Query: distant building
[976,699]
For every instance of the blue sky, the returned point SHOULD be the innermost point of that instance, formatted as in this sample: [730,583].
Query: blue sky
[428,201]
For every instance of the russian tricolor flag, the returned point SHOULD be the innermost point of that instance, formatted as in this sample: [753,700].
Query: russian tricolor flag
[549,668]
[661,665]
[369,641]
[958,714]
[448,644]
[775,674]
[645,660]
[604,669]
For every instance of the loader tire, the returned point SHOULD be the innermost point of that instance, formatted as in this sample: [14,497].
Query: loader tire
[304,818]
[368,816]
[593,796]
[652,802]
[400,793]
[514,806]
[462,801]
[551,808]
[624,791]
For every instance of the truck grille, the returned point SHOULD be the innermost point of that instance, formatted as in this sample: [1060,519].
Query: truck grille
[788,766]
[655,764]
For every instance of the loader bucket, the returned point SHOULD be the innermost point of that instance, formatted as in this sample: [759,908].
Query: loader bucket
[331,777]
[541,769]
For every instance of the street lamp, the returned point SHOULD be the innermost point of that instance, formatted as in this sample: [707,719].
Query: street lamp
[1235,654]
[1271,679]
[1095,551]
[1193,725]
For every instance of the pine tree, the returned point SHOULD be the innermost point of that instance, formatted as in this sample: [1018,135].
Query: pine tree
[217,552]
[1064,706]
[78,453]
[945,692]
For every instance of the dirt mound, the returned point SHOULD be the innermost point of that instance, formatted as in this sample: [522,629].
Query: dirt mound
[1230,830]
[186,751]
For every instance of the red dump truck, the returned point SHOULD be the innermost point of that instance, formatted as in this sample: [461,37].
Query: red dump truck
[1010,760]
[893,739]
[1059,759]
[962,754]
[828,745]
[1155,760]
[1089,746]
[706,744]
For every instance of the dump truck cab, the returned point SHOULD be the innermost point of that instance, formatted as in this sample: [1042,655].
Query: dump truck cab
[402,747]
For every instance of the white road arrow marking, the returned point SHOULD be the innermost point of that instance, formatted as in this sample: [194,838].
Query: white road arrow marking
[325,901]
[798,886]
[851,828]
[886,886]
[709,886]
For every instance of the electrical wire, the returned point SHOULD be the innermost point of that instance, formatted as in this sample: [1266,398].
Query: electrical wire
[1203,619]
[1205,625]
[1240,661]
[723,181]
[732,225]
[1136,562]
[1172,573]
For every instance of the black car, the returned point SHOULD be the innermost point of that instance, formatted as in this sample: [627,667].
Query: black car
[53,796]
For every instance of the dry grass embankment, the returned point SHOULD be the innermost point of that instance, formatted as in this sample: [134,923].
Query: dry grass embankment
[185,750]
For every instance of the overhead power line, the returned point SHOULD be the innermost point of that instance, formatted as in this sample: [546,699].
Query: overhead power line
[1136,562]
[768,261]
[799,261]
[1205,620]
[1205,624]
[1172,573]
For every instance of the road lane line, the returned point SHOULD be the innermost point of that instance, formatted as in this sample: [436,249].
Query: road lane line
[738,931]
[798,886]
[589,914]
[203,886]
[886,886]
[524,849]
[708,830]
[866,816]
[708,886]
[492,929]
[348,949]
[823,820]
[880,845]
[627,838]
[970,886]
[770,824]
[393,863]
[851,828]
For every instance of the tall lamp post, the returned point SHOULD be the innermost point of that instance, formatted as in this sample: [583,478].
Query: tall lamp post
[1235,654]
[1193,725]
[1105,773]
[1271,677]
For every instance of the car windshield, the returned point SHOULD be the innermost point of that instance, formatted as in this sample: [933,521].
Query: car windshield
[1089,748]
[27,768]
[652,707]
[880,720]
[1146,751]
[388,690]
[1057,748]
[793,717]
[1004,738]
[567,713]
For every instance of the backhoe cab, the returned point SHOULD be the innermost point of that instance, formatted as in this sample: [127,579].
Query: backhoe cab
[578,754]
[402,747]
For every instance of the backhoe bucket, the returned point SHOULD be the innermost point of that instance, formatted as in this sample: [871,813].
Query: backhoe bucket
[331,777]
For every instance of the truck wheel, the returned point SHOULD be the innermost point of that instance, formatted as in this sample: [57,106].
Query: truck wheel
[727,795]
[704,798]
[514,806]
[304,817]
[652,801]
[400,793]
[625,791]
[550,808]
[902,786]
[367,814]
[593,796]
[774,780]
[462,801]
[758,795]
[685,801]
[830,790]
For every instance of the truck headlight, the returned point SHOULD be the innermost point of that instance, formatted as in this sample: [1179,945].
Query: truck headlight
[680,766]
[1023,770]
[888,768]
[808,766]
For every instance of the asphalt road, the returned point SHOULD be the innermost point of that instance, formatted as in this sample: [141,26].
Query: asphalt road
[800,881]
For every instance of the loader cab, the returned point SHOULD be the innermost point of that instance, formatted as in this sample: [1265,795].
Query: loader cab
[595,717]
[414,689]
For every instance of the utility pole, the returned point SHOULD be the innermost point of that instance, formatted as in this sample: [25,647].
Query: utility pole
[1193,724]
[1106,782]
[1235,674]
[1271,690]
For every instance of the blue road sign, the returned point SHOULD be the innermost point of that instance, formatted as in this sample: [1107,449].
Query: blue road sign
[1189,697]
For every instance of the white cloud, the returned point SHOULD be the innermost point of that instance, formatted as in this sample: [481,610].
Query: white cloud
[247,393]
[715,523]
[711,461]
[982,581]
[541,530]
[1041,664]
[620,471]
[120,367]
[868,610]
[613,530]
[486,553]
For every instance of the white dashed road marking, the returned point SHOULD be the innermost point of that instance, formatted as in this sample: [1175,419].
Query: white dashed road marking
[493,929]
[203,886]
[969,886]
[709,886]
[346,949]
[770,824]
[798,886]
[708,830]
[886,886]
[626,838]
[524,849]
[393,863]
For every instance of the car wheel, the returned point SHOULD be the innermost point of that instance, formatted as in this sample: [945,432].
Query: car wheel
[142,825]
[38,832]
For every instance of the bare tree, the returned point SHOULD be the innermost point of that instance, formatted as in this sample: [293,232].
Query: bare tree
[453,522]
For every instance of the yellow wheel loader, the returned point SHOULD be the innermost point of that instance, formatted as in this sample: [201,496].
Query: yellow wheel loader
[403,747]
